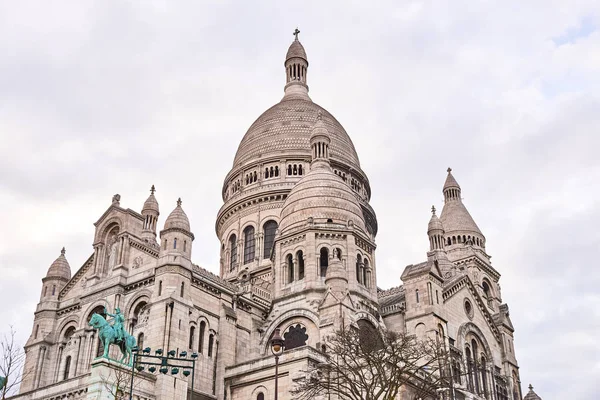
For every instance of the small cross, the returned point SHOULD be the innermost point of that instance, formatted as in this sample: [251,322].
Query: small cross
[63,251]
[296,32]
[179,201]
[530,387]
[449,170]
[433,210]
[152,189]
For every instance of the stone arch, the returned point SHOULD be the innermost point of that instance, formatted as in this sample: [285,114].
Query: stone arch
[469,327]
[288,315]
[369,317]
[107,226]
[260,389]
[64,325]
[83,323]
[144,294]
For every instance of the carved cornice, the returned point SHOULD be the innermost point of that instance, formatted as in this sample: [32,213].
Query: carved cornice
[143,247]
[68,310]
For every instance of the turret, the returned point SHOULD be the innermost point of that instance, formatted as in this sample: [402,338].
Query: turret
[150,213]
[435,231]
[56,278]
[296,66]
[176,237]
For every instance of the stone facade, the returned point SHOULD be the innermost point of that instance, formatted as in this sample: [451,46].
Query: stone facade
[297,252]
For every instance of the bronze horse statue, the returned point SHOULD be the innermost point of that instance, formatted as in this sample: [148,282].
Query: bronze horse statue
[108,335]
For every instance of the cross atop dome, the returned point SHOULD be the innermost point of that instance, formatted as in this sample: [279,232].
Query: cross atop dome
[152,190]
[296,32]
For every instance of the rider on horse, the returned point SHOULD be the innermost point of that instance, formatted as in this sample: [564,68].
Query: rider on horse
[118,320]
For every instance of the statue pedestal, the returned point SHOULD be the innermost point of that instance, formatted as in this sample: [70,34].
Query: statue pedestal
[109,377]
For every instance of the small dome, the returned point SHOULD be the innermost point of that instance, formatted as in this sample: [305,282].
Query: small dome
[296,50]
[177,219]
[531,395]
[434,222]
[322,196]
[60,268]
[450,181]
[151,204]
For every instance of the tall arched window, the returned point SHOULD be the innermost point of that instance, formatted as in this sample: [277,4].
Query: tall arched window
[300,258]
[290,268]
[182,290]
[269,229]
[469,368]
[484,377]
[417,294]
[261,396]
[140,341]
[358,266]
[324,260]
[211,340]
[475,369]
[249,244]
[201,337]
[365,275]
[159,288]
[192,337]
[67,368]
[232,252]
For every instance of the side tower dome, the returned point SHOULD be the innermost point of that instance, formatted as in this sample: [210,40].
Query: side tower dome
[150,213]
[459,226]
[435,231]
[176,236]
[56,278]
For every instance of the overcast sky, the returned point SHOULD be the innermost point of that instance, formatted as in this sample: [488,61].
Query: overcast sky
[98,98]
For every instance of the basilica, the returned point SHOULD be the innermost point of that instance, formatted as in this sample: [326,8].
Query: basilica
[297,245]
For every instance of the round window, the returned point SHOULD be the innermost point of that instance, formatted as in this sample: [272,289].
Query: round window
[468,309]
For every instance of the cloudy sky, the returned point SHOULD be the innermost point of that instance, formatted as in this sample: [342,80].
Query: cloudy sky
[98,98]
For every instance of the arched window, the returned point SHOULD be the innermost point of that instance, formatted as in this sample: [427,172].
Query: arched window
[68,334]
[175,243]
[276,171]
[484,377]
[299,169]
[475,369]
[453,239]
[417,294]
[289,169]
[211,340]
[295,170]
[182,289]
[254,176]
[159,288]
[269,229]
[53,289]
[45,290]
[201,337]
[232,252]
[365,276]
[140,341]
[358,266]
[37,329]
[267,173]
[249,244]
[300,258]
[324,260]
[290,268]
[67,368]
[368,336]
[486,290]
[192,337]
[469,368]
[449,241]
[295,337]
[338,253]
[261,396]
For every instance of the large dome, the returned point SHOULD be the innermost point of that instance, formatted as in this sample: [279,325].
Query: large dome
[322,196]
[285,129]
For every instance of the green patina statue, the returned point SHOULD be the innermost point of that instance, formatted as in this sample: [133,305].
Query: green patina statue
[3,381]
[113,334]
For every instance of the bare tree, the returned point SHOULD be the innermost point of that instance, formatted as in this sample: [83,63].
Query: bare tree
[12,359]
[118,382]
[364,365]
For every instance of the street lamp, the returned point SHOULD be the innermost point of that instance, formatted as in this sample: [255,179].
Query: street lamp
[277,350]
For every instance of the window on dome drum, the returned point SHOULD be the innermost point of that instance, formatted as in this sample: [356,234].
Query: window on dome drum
[53,289]
[211,340]
[192,337]
[324,261]
[365,276]
[185,245]
[358,267]
[175,243]
[67,368]
[300,258]
[232,252]
[269,229]
[249,244]
[261,396]
[295,337]
[201,337]
[140,341]
[290,268]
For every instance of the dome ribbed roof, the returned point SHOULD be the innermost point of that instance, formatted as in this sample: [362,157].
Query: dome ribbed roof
[321,195]
[177,219]
[151,204]
[455,217]
[434,222]
[531,395]
[286,128]
[60,268]
[450,181]
[296,50]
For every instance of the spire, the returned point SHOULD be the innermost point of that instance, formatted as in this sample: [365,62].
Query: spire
[451,187]
[63,251]
[150,212]
[531,395]
[296,66]
[319,143]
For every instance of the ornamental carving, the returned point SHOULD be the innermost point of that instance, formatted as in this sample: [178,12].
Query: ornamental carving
[295,337]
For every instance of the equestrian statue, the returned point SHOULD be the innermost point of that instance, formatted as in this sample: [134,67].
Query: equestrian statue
[113,333]
[3,382]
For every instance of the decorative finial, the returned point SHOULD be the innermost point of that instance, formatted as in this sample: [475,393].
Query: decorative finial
[179,202]
[63,251]
[530,387]
[433,210]
[296,32]
[152,190]
[449,170]
[116,199]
